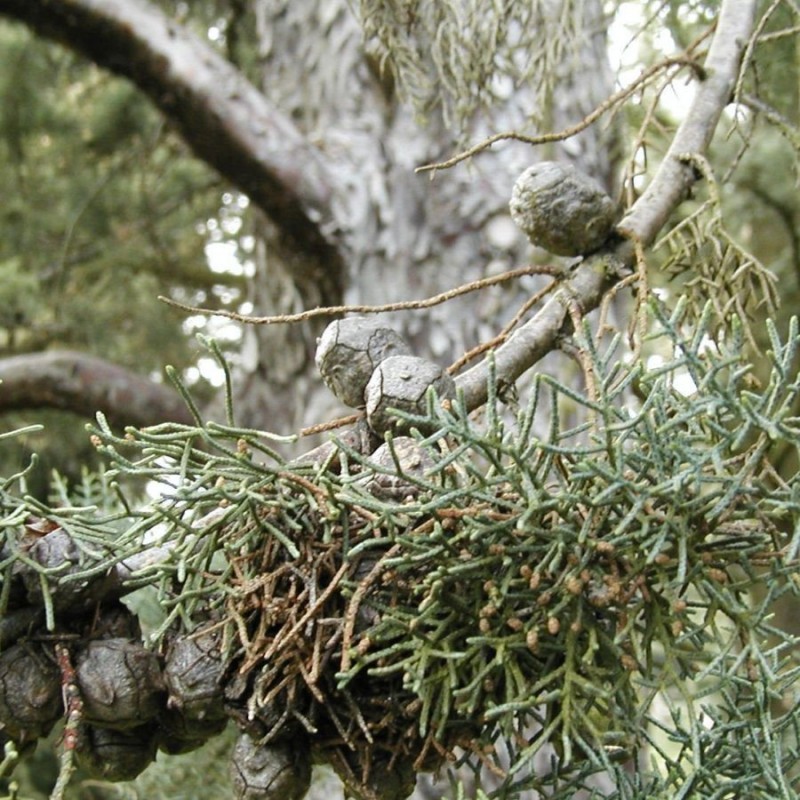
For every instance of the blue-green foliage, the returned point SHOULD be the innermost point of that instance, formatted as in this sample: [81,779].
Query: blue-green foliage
[597,598]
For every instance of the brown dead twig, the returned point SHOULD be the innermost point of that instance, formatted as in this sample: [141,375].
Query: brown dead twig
[685,59]
[403,305]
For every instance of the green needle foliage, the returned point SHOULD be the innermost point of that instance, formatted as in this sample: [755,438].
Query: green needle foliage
[597,600]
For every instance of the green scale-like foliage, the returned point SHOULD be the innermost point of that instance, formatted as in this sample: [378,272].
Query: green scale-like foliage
[595,598]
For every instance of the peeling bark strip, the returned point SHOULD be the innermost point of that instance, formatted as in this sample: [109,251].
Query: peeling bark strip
[224,119]
[84,385]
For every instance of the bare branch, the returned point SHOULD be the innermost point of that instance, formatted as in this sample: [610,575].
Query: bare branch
[225,120]
[537,338]
[645,219]
[84,385]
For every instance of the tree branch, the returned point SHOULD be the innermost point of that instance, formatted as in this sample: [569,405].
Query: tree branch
[83,384]
[675,175]
[225,120]
[670,185]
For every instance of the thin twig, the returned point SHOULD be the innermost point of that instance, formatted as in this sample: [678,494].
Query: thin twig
[73,705]
[581,353]
[355,603]
[567,133]
[403,305]
[771,37]
[639,146]
[281,640]
[753,42]
[324,427]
